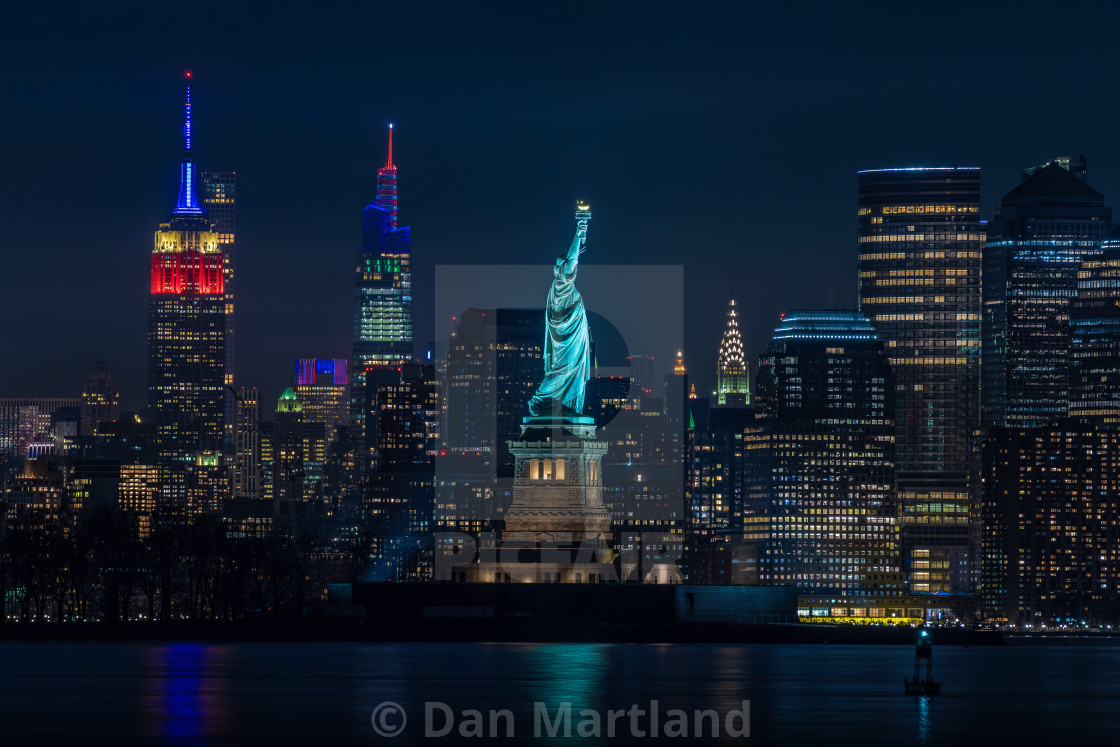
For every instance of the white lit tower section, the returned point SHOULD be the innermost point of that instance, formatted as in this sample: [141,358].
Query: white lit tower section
[219,197]
[732,373]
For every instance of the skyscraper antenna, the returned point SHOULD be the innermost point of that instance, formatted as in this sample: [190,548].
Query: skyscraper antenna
[187,203]
[389,162]
[187,123]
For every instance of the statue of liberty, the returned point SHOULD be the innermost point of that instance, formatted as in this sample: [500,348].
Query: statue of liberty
[567,342]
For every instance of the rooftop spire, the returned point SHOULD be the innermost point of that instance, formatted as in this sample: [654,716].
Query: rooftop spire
[187,204]
[732,372]
[387,184]
[187,124]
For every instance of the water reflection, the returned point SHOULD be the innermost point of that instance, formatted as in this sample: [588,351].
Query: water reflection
[185,703]
[570,673]
[297,693]
[923,719]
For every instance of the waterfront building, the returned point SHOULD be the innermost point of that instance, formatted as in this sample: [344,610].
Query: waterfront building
[1051,517]
[819,464]
[920,242]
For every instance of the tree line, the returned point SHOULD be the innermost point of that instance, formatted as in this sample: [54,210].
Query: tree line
[102,567]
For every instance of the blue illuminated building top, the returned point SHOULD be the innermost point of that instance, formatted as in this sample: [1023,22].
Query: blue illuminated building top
[921,168]
[188,203]
[825,325]
[826,367]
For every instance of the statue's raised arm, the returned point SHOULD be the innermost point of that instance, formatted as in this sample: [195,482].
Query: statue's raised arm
[567,343]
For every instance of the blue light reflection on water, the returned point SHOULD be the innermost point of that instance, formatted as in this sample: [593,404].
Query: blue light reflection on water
[183,694]
[302,693]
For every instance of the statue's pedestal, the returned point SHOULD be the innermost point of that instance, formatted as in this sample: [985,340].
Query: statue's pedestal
[557,529]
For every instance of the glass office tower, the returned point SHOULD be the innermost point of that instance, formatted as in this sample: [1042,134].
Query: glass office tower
[1095,337]
[1037,240]
[821,458]
[219,197]
[383,291]
[920,242]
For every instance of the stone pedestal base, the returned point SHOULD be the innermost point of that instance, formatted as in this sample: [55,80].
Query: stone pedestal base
[557,529]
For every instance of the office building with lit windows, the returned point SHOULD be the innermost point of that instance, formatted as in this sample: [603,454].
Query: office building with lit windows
[297,452]
[322,386]
[1094,382]
[920,242]
[642,480]
[1051,517]
[383,290]
[100,400]
[186,343]
[1040,234]
[494,365]
[219,198]
[138,491]
[246,472]
[24,420]
[819,463]
[710,484]
[401,493]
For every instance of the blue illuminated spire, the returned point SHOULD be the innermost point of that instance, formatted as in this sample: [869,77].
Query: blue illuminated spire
[187,204]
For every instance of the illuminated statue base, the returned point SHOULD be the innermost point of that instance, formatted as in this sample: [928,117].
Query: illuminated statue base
[557,529]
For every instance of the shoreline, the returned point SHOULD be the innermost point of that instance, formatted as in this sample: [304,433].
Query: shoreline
[463,631]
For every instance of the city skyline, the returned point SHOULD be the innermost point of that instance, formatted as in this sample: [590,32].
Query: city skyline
[743,168]
[330,414]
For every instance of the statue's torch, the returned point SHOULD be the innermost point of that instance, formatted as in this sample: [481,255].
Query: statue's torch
[583,215]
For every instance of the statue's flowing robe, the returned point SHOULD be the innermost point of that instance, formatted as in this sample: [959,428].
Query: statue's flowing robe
[567,349]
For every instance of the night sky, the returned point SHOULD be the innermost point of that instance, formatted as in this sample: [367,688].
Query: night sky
[723,137]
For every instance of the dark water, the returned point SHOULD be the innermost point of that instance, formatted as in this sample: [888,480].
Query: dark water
[297,693]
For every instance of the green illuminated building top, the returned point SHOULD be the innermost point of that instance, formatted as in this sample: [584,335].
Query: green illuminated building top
[288,402]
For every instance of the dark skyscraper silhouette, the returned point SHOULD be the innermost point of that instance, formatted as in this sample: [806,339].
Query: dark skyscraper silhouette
[1037,240]
[100,400]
